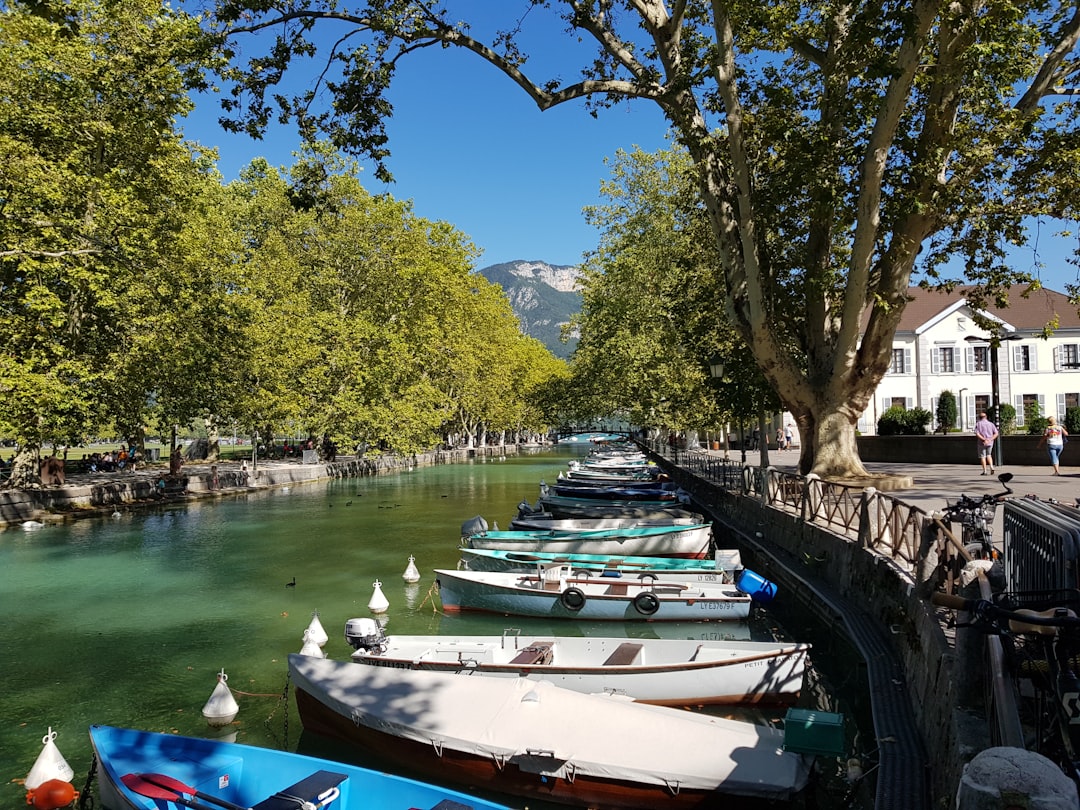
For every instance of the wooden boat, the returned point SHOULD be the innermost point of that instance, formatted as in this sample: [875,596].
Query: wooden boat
[142,770]
[564,507]
[534,739]
[669,541]
[669,672]
[545,521]
[721,568]
[554,591]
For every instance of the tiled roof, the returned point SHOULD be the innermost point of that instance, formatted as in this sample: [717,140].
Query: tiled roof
[1031,312]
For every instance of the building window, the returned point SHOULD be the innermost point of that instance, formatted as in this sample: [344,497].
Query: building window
[901,361]
[943,360]
[980,359]
[896,402]
[1067,357]
[1024,358]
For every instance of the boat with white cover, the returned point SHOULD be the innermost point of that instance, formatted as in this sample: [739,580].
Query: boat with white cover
[548,522]
[691,541]
[671,672]
[537,740]
[555,591]
[722,568]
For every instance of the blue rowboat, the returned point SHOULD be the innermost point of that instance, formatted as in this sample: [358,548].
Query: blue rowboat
[143,770]
[555,591]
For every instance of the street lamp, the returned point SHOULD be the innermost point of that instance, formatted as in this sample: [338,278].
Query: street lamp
[716,371]
[994,341]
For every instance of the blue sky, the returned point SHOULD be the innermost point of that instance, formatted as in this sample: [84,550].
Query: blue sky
[469,147]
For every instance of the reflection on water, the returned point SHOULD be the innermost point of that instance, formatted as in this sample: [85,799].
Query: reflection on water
[127,621]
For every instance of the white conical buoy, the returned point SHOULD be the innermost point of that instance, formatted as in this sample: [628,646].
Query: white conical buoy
[49,765]
[378,603]
[318,634]
[311,647]
[221,709]
[411,574]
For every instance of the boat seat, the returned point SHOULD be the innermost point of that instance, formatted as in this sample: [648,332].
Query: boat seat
[536,653]
[625,654]
[308,789]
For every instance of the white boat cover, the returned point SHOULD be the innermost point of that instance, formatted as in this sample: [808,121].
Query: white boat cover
[543,729]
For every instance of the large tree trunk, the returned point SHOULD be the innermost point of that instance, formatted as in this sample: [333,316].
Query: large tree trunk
[828,447]
[26,467]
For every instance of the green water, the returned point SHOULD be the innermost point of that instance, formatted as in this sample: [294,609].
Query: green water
[126,621]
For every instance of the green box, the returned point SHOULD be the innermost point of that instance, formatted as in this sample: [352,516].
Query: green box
[808,731]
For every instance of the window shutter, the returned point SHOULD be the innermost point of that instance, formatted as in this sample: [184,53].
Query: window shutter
[1042,405]
[969,359]
[971,410]
[935,361]
[1018,403]
[933,409]
[1057,358]
[907,361]
[1061,408]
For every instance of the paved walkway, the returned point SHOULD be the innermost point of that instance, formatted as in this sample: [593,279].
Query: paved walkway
[935,484]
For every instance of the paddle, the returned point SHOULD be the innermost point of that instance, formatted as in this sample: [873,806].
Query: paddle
[165,781]
[137,784]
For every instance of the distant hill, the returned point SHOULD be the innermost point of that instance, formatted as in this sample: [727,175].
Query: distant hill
[544,297]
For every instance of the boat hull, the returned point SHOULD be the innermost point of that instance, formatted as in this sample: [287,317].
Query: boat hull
[247,775]
[562,507]
[518,748]
[672,568]
[525,595]
[668,672]
[547,522]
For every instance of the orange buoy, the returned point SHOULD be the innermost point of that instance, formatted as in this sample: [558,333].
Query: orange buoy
[52,795]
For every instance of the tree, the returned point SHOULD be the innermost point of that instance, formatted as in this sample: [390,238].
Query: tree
[92,204]
[946,411]
[832,143]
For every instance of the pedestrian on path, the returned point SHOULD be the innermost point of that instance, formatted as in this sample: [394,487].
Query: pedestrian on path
[1054,437]
[986,434]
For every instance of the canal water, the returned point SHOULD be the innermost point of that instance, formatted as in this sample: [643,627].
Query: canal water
[126,620]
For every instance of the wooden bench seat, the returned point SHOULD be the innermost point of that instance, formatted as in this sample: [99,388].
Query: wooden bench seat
[537,653]
[308,789]
[623,655]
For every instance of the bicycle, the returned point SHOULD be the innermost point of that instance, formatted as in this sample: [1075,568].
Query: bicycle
[976,516]
[1043,632]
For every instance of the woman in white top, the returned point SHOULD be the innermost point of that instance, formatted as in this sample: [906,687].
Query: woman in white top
[1054,436]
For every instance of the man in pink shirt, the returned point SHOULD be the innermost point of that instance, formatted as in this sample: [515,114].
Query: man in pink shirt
[986,434]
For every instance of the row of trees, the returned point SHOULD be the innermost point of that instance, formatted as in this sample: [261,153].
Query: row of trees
[137,290]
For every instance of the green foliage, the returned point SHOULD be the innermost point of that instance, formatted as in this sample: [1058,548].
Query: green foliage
[899,421]
[946,411]
[1034,421]
[1072,420]
[1007,423]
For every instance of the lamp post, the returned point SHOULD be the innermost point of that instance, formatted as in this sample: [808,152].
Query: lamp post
[716,371]
[994,341]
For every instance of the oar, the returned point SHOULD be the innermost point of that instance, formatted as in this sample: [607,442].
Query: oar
[137,784]
[168,782]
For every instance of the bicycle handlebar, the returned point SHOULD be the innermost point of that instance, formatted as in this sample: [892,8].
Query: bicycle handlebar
[1045,622]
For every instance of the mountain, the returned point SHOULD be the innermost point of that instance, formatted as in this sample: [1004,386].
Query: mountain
[543,296]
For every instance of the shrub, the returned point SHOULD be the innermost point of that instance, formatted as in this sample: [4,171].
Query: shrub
[1072,420]
[1034,421]
[898,421]
[946,411]
[1007,423]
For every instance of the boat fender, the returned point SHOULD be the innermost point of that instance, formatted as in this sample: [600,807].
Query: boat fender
[572,599]
[51,795]
[646,603]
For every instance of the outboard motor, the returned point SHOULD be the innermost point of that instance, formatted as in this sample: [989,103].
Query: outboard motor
[476,525]
[365,635]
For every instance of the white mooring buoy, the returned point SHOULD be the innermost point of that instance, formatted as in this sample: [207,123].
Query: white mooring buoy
[379,602]
[221,709]
[311,647]
[50,764]
[318,633]
[411,574]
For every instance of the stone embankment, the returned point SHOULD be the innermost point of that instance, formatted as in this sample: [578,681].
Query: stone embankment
[90,494]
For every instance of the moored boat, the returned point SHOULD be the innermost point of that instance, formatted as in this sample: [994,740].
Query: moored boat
[672,672]
[565,507]
[555,591]
[721,568]
[144,770]
[545,521]
[668,541]
[534,739]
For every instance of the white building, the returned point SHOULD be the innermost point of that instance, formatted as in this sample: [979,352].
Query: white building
[938,348]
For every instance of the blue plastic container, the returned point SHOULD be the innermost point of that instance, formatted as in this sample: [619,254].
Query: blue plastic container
[755,586]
